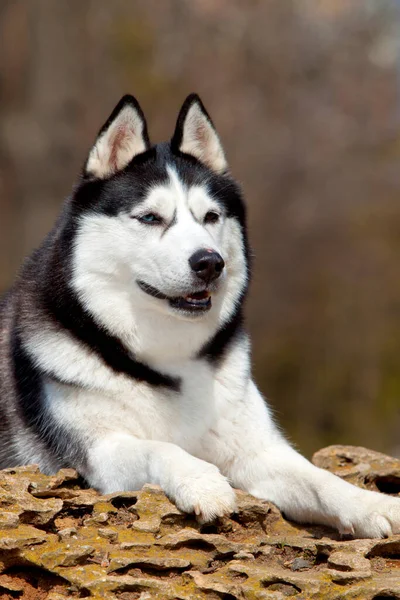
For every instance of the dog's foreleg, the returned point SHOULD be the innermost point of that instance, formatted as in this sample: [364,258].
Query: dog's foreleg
[255,457]
[123,462]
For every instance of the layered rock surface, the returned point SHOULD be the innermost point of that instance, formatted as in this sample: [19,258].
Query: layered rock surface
[59,540]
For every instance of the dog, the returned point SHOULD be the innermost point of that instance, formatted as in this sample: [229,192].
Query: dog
[123,352]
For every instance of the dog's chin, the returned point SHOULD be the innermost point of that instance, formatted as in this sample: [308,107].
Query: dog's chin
[193,304]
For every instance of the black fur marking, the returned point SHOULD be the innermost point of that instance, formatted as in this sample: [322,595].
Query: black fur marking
[65,308]
[215,349]
[61,303]
[29,387]
[152,291]
[120,192]
[4,419]
[29,384]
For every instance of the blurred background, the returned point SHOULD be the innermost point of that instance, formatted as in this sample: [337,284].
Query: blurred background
[306,97]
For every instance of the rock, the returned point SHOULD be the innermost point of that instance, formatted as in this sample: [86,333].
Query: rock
[365,468]
[387,548]
[21,537]
[159,563]
[243,555]
[152,508]
[299,564]
[67,532]
[347,567]
[349,561]
[9,520]
[16,485]
[59,541]
[108,534]
[8,584]
[61,554]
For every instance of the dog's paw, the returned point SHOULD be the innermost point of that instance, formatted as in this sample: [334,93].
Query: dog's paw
[206,493]
[372,516]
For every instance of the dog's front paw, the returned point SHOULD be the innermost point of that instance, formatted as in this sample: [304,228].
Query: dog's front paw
[207,494]
[372,516]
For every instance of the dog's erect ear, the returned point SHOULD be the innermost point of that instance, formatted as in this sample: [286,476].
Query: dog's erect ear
[195,135]
[122,137]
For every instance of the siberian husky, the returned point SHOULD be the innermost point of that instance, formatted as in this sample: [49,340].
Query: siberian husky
[123,352]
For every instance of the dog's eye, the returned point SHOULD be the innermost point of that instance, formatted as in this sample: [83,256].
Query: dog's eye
[150,219]
[211,217]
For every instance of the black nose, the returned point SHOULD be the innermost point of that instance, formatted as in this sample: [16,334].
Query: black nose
[207,264]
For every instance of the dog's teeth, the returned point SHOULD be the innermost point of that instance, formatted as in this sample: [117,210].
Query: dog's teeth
[198,297]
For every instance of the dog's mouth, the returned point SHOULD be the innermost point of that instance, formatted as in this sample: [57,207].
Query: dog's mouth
[193,302]
[198,301]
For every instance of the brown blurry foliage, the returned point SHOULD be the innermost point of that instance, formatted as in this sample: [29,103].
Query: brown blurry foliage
[305,95]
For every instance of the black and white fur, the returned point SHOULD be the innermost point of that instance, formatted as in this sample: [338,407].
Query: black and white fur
[122,350]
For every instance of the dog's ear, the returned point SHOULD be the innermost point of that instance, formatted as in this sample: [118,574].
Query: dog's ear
[195,135]
[122,137]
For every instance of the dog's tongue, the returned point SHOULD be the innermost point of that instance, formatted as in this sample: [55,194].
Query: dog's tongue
[198,296]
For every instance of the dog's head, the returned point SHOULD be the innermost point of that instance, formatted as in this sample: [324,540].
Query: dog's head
[162,226]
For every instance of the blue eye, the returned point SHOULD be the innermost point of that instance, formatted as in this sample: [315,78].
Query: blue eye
[150,219]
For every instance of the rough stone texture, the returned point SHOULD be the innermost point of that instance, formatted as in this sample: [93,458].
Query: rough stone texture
[60,541]
[366,468]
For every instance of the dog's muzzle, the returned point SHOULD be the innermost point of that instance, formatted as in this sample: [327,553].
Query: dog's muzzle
[194,302]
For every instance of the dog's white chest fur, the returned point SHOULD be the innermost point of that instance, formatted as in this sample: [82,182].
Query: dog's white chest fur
[186,417]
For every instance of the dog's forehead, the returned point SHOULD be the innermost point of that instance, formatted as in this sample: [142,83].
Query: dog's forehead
[204,185]
[161,180]
[174,193]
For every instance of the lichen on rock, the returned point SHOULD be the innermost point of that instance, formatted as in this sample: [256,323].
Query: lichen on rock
[59,540]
